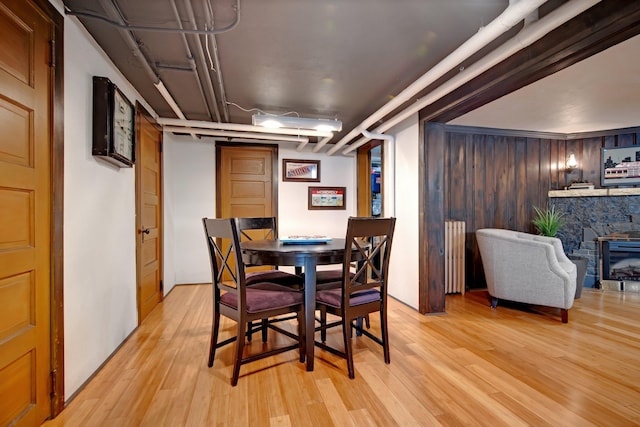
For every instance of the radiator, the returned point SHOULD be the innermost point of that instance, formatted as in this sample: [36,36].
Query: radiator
[454,256]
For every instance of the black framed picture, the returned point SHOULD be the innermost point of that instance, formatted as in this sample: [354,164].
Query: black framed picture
[113,124]
[301,170]
[620,166]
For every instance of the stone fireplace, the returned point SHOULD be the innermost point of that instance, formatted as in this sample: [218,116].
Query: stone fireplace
[592,214]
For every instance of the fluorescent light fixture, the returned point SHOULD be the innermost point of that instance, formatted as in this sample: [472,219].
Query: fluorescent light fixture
[273,122]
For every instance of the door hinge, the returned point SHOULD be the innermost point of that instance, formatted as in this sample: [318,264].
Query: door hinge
[160,144]
[52,380]
[52,53]
[161,286]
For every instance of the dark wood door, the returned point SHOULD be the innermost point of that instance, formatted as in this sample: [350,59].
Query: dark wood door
[25,214]
[148,213]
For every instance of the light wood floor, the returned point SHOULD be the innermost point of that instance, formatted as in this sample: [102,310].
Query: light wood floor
[471,366]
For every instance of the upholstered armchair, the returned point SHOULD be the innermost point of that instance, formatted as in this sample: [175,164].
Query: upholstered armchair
[527,268]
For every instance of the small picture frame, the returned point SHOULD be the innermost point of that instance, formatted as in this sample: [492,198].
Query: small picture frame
[301,170]
[620,166]
[331,198]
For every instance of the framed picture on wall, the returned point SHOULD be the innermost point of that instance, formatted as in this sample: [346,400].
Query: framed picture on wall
[621,166]
[301,170]
[327,198]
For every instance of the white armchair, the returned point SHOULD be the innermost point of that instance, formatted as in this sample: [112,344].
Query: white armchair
[527,268]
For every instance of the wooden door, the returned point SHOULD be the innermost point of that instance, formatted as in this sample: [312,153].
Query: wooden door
[148,213]
[25,214]
[246,181]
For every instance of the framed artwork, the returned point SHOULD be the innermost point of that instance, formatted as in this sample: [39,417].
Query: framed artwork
[620,166]
[327,198]
[301,170]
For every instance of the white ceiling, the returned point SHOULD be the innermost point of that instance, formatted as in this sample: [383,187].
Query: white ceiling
[599,93]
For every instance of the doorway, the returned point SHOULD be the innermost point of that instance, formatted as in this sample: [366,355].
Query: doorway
[370,173]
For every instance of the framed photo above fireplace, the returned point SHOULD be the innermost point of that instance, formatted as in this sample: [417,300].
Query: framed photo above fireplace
[620,166]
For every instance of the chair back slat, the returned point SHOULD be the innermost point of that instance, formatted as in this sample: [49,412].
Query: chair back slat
[227,268]
[266,225]
[370,240]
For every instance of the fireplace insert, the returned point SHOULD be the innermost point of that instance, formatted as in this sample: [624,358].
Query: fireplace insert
[621,262]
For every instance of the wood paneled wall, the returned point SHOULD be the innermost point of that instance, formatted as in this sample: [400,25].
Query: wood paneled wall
[494,178]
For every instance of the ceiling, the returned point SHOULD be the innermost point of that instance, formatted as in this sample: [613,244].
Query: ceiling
[334,59]
[601,92]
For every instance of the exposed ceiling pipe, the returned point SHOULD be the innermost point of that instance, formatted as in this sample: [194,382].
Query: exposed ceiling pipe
[531,33]
[202,62]
[216,59]
[513,14]
[123,25]
[192,62]
[200,124]
[233,134]
[110,9]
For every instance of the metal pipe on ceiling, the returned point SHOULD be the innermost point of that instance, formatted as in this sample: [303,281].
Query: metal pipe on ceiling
[202,62]
[216,59]
[529,34]
[513,14]
[233,134]
[192,62]
[123,25]
[201,124]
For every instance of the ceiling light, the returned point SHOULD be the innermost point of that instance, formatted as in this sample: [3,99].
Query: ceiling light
[270,121]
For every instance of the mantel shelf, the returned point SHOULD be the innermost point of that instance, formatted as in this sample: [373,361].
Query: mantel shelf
[597,192]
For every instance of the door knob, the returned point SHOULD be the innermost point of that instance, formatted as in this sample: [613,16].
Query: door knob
[146,230]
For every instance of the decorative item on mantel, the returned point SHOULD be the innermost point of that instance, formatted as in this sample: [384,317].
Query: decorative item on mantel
[580,185]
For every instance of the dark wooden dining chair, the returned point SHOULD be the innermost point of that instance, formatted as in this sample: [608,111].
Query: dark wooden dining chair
[362,291]
[234,299]
[264,228]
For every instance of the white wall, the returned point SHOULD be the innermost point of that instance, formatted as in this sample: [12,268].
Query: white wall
[189,172]
[294,218]
[99,221]
[404,268]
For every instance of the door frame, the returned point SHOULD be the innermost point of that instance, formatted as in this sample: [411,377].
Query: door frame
[57,205]
[274,170]
[364,176]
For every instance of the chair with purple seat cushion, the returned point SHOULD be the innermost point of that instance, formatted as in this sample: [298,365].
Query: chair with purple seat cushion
[362,291]
[264,228]
[234,299]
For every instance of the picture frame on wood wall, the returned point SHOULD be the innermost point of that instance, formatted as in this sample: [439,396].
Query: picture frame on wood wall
[620,166]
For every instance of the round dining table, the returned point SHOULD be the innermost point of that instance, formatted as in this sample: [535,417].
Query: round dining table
[306,255]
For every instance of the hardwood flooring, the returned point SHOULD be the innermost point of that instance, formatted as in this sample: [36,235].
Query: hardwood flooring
[512,366]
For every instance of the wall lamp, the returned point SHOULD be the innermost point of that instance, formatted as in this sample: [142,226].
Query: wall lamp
[572,163]
[275,122]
